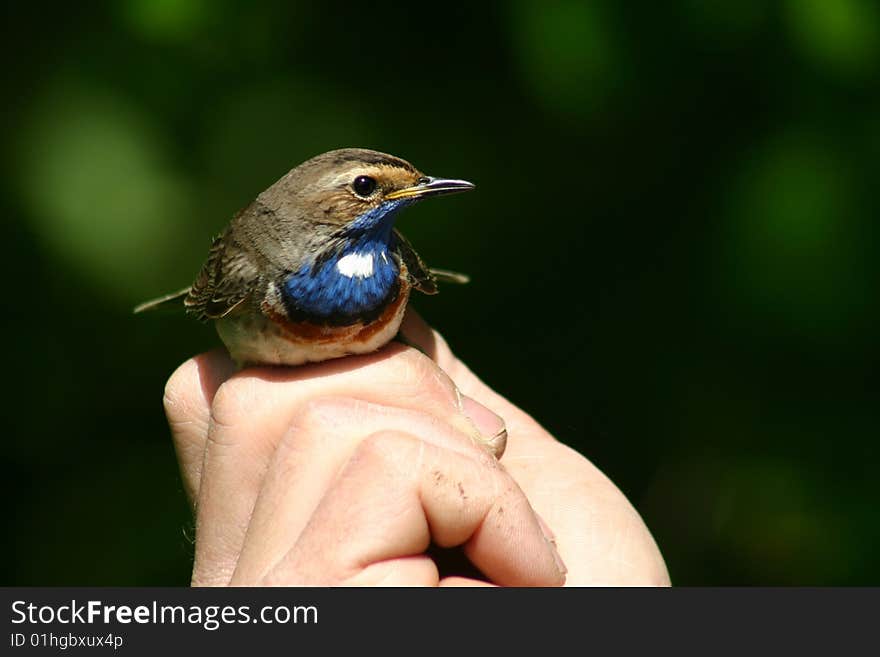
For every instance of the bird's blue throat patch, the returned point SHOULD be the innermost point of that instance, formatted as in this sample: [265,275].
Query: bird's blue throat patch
[356,281]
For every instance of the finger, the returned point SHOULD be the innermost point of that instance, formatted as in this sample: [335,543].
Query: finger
[397,494]
[464,582]
[417,570]
[254,409]
[322,438]
[528,444]
[188,397]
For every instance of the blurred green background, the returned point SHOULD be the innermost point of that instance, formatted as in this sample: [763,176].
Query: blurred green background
[673,248]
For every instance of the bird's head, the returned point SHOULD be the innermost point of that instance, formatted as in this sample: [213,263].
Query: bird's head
[354,190]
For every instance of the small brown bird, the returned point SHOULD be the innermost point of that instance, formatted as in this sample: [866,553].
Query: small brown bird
[314,269]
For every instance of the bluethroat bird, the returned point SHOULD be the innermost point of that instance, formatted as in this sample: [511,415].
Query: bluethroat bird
[314,268]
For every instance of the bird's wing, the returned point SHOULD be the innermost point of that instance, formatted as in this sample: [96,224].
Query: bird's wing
[422,277]
[419,274]
[224,282]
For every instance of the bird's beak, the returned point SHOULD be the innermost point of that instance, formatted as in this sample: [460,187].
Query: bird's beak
[431,187]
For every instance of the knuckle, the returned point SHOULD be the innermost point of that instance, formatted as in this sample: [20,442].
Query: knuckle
[322,413]
[178,389]
[234,399]
[190,389]
[317,422]
[385,447]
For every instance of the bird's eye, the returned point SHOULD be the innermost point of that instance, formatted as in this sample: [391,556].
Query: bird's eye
[364,185]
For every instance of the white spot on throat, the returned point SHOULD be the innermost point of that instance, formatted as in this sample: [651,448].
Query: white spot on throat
[356,264]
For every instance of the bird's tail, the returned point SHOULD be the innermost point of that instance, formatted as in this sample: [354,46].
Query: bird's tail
[166,301]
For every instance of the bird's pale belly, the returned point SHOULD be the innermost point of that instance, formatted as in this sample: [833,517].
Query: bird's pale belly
[267,338]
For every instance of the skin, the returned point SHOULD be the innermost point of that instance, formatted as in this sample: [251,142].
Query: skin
[344,472]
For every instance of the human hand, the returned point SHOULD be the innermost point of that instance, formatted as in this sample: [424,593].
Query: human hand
[343,472]
[600,536]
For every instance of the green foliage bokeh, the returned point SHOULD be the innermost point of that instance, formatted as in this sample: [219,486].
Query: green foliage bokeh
[673,249]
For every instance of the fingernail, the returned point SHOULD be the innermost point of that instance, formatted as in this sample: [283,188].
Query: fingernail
[560,564]
[485,420]
[550,537]
[548,533]
[490,426]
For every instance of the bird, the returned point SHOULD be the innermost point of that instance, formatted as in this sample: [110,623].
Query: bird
[314,268]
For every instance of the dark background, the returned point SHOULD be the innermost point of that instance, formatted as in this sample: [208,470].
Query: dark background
[673,248]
